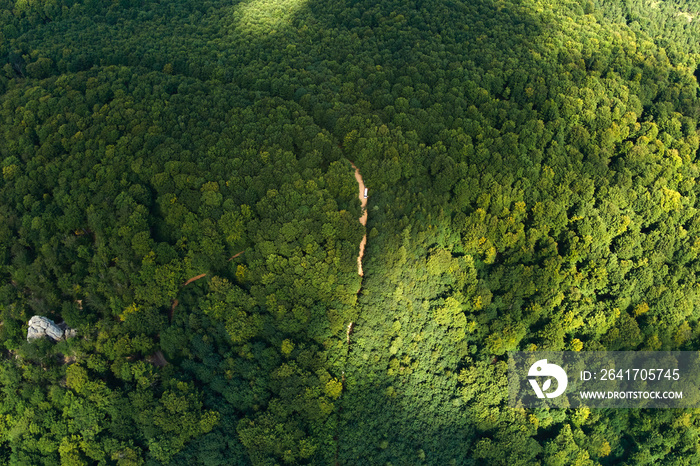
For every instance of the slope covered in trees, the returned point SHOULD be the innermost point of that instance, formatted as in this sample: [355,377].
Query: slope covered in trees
[533,170]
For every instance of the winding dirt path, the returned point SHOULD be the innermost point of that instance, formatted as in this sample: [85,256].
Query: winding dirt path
[363,218]
[193,279]
[235,255]
[351,325]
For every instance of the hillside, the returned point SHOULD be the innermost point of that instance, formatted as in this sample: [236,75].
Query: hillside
[532,166]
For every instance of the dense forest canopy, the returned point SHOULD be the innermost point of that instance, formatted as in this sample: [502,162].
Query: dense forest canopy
[532,172]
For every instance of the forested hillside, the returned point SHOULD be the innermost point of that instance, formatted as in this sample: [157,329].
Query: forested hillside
[531,167]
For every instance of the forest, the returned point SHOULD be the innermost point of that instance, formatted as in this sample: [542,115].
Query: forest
[178,187]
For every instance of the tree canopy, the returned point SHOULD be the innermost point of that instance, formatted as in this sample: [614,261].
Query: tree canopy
[531,167]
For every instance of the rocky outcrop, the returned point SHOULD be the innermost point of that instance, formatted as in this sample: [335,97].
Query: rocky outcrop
[40,326]
[67,331]
[157,359]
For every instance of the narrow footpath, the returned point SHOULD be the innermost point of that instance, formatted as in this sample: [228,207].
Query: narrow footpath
[351,325]
[363,221]
[363,218]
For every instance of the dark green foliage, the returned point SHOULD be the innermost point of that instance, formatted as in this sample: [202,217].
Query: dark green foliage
[532,173]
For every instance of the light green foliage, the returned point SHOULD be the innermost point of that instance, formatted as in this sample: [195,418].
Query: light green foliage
[532,175]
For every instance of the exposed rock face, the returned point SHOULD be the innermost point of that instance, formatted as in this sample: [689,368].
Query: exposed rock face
[157,359]
[40,326]
[67,331]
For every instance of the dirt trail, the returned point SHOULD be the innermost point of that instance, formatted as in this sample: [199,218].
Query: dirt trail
[363,218]
[235,255]
[193,279]
[202,275]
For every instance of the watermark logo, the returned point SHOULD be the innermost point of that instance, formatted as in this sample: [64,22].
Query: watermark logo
[542,369]
[603,379]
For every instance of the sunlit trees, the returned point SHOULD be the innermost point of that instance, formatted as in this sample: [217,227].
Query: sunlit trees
[532,179]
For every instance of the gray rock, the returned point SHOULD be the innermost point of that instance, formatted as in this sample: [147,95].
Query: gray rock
[40,326]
